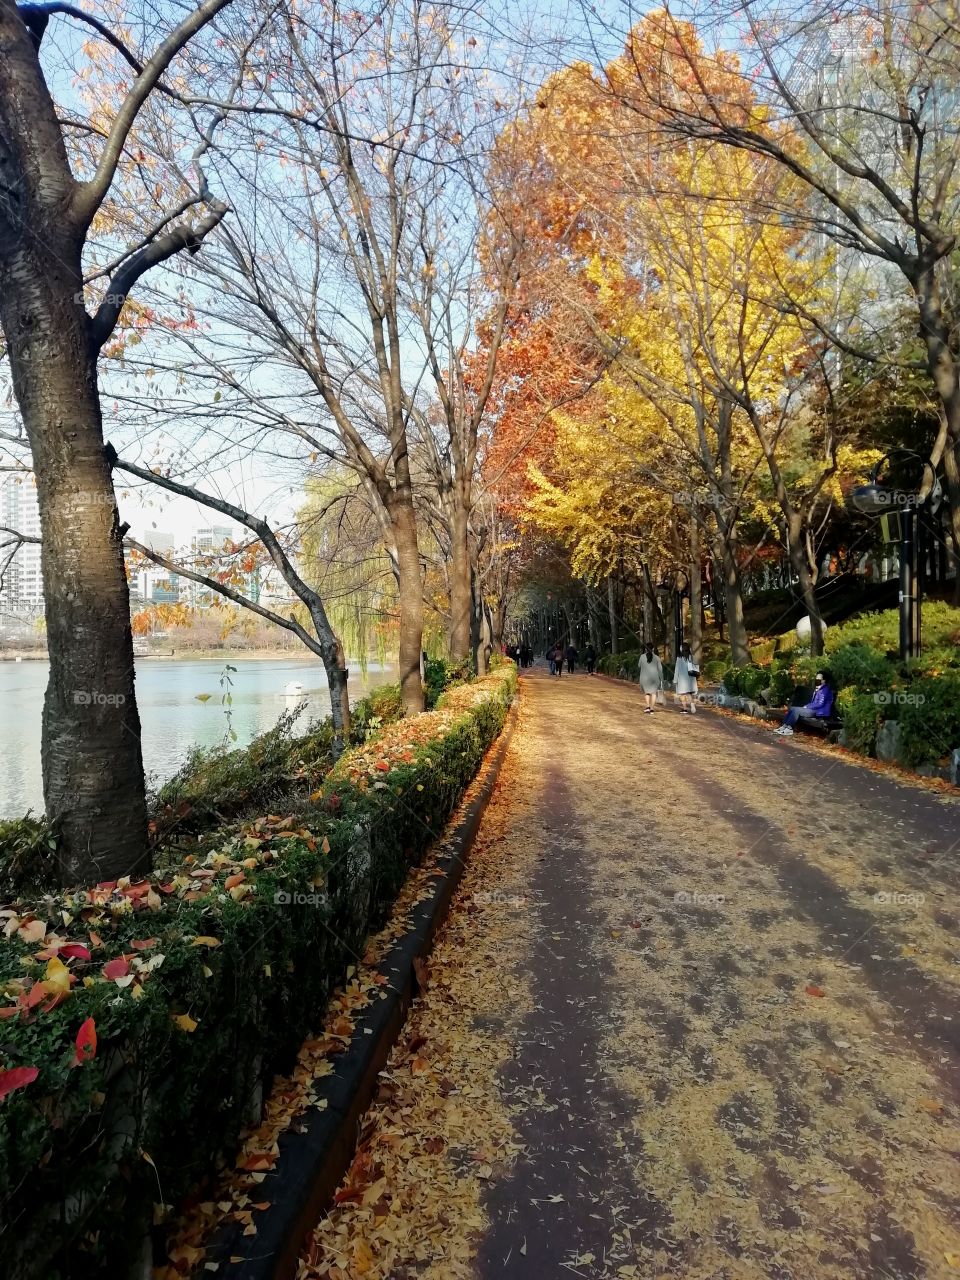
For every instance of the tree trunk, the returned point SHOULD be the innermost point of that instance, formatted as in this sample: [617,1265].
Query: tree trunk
[696,589]
[461,600]
[612,615]
[335,665]
[93,781]
[476,627]
[951,467]
[486,638]
[410,585]
[945,371]
[801,568]
[733,605]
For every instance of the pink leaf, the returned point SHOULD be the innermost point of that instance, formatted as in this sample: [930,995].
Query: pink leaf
[17,1078]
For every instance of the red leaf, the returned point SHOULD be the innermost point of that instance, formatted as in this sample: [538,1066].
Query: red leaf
[137,890]
[16,1078]
[107,884]
[813,990]
[86,1043]
[119,967]
[231,882]
[144,944]
[382,766]
[74,951]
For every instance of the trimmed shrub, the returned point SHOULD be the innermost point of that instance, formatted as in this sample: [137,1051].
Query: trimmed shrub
[441,673]
[620,664]
[27,856]
[730,681]
[753,680]
[930,729]
[782,684]
[202,981]
[714,669]
[881,631]
[862,716]
[868,670]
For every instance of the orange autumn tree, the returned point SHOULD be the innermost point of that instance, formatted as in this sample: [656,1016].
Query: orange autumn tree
[555,163]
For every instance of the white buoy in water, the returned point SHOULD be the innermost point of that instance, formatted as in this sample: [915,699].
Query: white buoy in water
[293,689]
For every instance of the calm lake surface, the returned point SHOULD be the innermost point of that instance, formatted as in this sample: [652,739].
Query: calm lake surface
[173,717]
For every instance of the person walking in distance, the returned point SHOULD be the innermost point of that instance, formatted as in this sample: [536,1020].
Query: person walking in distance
[558,659]
[651,677]
[685,680]
[590,659]
[571,657]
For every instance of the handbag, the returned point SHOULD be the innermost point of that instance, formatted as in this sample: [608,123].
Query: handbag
[661,698]
[693,669]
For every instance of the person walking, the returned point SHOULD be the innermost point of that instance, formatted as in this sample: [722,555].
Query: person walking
[571,657]
[558,659]
[685,674]
[651,677]
[590,659]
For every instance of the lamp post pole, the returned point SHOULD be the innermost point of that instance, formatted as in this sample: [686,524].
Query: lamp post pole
[875,499]
[910,584]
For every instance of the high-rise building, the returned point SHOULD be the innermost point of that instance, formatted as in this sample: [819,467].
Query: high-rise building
[211,538]
[22,581]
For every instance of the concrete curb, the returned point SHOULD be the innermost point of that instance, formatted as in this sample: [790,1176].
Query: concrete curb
[312,1162]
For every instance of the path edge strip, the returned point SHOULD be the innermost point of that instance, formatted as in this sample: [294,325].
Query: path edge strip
[312,1163]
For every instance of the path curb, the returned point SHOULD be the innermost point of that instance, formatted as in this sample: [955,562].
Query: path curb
[312,1163]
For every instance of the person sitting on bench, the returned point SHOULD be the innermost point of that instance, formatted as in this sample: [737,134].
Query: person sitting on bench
[820,707]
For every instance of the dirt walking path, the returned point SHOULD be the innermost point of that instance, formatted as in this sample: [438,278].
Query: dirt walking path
[694,1015]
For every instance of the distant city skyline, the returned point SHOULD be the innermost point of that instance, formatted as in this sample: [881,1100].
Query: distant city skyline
[22,586]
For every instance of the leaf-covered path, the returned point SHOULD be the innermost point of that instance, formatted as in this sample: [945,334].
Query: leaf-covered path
[694,1014]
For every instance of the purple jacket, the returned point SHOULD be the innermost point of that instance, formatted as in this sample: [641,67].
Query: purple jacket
[821,704]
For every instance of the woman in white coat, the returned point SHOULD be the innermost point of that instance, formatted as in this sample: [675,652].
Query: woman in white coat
[685,674]
[651,677]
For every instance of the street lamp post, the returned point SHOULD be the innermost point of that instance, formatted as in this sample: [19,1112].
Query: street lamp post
[875,499]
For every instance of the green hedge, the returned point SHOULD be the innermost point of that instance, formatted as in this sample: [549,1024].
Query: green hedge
[923,694]
[184,1044]
[626,666]
[930,719]
[881,631]
[862,716]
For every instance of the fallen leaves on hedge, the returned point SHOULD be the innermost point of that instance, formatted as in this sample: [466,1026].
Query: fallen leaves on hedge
[17,1078]
[85,1045]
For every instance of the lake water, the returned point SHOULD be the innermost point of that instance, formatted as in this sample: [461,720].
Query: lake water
[174,719]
